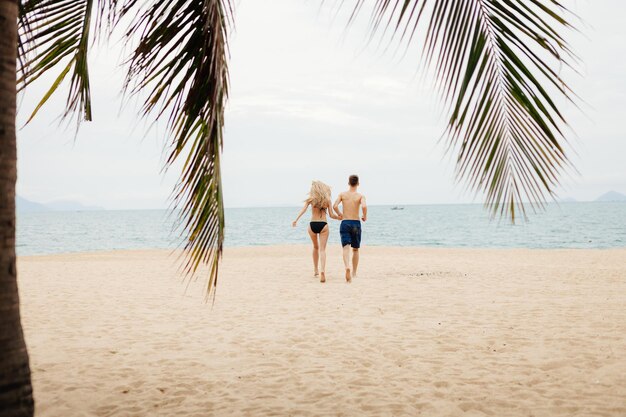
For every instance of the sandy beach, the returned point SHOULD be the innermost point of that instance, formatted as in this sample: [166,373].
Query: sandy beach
[434,332]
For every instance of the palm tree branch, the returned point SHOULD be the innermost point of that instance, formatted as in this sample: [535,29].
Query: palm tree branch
[179,68]
[52,31]
[496,63]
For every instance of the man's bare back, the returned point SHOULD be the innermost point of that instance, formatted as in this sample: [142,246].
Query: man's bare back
[351,204]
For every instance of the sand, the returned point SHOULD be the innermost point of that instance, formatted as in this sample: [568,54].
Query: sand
[434,332]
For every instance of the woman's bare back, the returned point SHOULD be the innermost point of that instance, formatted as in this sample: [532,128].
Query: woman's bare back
[318,214]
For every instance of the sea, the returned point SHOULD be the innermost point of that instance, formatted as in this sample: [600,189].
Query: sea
[566,225]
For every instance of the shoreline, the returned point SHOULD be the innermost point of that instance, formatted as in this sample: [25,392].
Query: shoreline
[308,245]
[429,331]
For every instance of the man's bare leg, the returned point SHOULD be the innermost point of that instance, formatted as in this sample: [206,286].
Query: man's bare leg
[346,262]
[316,251]
[355,261]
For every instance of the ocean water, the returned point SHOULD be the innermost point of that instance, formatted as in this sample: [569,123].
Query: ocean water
[568,225]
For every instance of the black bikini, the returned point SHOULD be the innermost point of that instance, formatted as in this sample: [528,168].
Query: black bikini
[317,226]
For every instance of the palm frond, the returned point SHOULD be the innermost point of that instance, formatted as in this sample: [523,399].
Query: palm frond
[180,67]
[56,34]
[497,66]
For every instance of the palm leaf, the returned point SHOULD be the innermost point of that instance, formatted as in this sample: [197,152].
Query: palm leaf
[180,67]
[56,33]
[496,64]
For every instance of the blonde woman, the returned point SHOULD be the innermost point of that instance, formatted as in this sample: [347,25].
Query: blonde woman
[319,200]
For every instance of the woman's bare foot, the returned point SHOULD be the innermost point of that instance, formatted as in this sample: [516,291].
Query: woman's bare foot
[323,277]
[315,274]
[348,276]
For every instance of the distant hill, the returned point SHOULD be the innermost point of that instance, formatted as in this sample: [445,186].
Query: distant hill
[24,205]
[68,205]
[611,196]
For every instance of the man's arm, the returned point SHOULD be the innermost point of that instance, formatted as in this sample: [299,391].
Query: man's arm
[364,207]
[336,206]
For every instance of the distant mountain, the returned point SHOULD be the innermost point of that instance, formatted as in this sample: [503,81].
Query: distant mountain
[24,205]
[612,196]
[69,205]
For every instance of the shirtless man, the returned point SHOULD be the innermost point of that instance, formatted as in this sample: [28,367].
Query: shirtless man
[350,229]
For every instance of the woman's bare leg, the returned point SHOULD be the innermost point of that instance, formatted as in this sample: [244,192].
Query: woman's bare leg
[316,252]
[323,241]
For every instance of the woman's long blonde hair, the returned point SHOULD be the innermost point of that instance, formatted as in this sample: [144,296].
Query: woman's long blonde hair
[319,196]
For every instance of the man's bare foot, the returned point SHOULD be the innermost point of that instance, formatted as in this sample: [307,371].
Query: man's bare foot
[323,277]
[348,276]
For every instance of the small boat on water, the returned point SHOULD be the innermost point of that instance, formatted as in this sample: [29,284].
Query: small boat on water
[397,208]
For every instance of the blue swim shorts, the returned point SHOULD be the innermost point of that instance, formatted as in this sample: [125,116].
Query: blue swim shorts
[350,231]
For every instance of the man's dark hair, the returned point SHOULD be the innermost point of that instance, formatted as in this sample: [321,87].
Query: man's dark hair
[353,180]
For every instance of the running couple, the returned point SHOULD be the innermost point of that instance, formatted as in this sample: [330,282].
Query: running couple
[350,230]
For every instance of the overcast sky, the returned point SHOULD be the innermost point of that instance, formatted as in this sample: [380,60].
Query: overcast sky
[310,101]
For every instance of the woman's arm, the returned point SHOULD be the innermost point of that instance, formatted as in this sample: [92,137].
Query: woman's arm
[336,207]
[331,211]
[300,214]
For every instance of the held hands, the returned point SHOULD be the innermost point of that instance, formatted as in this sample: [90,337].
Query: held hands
[364,218]
[294,224]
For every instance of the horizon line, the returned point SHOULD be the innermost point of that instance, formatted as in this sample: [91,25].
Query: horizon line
[297,206]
